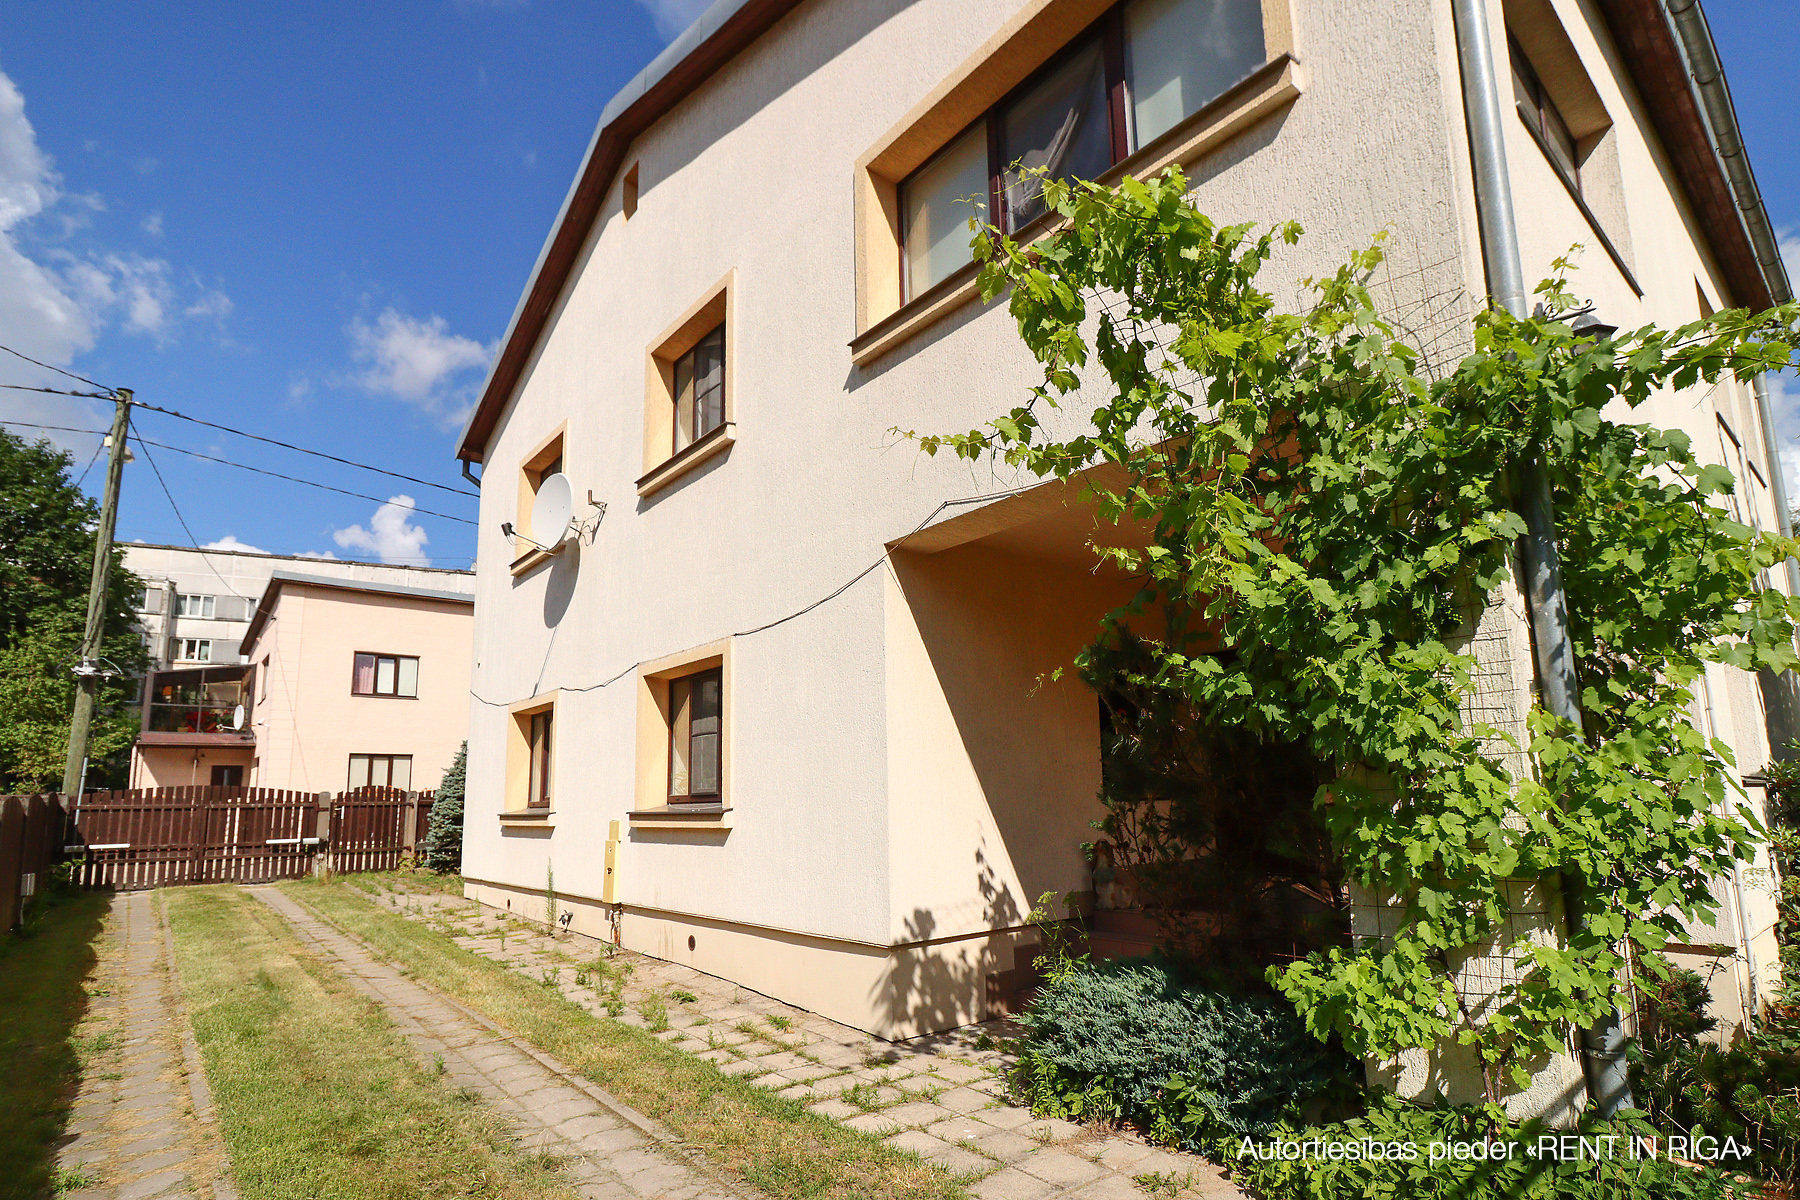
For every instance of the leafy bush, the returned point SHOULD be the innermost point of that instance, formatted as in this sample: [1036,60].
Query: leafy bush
[1131,1040]
[443,836]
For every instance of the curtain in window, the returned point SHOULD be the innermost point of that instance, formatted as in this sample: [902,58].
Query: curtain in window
[400,771]
[384,676]
[937,206]
[538,785]
[1060,125]
[1182,53]
[364,684]
[359,771]
[680,733]
[705,734]
[409,677]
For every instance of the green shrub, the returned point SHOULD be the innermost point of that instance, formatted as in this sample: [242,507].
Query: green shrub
[1132,1040]
[443,834]
[1749,1089]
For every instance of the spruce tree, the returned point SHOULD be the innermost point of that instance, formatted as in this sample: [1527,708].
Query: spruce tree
[443,837]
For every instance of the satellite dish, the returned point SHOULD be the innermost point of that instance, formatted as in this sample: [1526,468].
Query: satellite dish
[237,717]
[551,511]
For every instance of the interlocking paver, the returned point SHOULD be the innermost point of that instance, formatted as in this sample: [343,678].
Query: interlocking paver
[947,1083]
[604,1146]
[141,1123]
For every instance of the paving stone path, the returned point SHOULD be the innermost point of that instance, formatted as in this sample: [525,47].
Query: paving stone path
[142,1126]
[942,1096]
[609,1151]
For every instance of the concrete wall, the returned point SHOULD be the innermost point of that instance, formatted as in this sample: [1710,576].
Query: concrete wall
[306,721]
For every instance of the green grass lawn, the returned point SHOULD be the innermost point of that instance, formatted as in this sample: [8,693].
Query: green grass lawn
[44,971]
[770,1142]
[318,1097]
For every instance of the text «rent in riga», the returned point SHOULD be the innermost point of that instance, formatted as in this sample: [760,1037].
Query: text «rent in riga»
[1549,1147]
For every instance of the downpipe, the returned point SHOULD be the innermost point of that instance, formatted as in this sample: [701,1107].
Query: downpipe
[1603,1043]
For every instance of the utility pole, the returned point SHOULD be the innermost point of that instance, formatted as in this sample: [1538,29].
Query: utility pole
[87,673]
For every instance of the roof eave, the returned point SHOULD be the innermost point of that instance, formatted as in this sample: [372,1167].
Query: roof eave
[718,36]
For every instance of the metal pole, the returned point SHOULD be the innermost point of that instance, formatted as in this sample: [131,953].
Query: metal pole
[87,673]
[1603,1043]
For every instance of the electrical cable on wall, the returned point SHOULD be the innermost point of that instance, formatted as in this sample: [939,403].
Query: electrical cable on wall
[801,612]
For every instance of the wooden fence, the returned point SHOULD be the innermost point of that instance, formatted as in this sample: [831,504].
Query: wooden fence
[30,844]
[162,837]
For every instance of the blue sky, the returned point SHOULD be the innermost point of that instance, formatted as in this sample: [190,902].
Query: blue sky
[313,222]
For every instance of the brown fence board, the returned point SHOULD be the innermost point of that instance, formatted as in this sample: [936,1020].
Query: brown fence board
[164,837]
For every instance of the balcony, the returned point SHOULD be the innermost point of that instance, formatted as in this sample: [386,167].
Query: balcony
[196,706]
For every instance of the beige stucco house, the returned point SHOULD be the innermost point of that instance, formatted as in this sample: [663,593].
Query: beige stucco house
[342,683]
[782,713]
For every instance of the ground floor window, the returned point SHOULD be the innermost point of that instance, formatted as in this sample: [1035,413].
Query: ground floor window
[381,770]
[537,793]
[696,729]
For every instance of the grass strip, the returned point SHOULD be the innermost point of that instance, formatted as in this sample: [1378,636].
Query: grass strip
[43,972]
[773,1143]
[318,1096]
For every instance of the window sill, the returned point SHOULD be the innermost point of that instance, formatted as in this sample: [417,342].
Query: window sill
[1276,83]
[681,816]
[522,819]
[671,469]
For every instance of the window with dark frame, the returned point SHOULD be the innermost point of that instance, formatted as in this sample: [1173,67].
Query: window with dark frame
[537,794]
[699,389]
[1541,115]
[1141,69]
[385,675]
[696,737]
[381,770]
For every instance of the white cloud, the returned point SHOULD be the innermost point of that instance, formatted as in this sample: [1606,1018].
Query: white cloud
[230,542]
[55,304]
[152,224]
[390,536]
[673,16]
[420,362]
[1788,242]
[320,554]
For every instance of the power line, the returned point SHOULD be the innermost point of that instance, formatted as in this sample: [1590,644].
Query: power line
[169,412]
[72,375]
[141,440]
[192,540]
[20,387]
[92,459]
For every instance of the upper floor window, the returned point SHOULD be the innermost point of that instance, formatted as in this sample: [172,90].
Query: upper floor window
[194,606]
[1139,71]
[700,389]
[193,649]
[1543,118]
[385,675]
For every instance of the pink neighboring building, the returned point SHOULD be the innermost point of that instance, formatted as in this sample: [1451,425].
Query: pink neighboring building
[342,683]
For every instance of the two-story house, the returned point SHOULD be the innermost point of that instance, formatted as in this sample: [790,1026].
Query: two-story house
[784,714]
[336,682]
